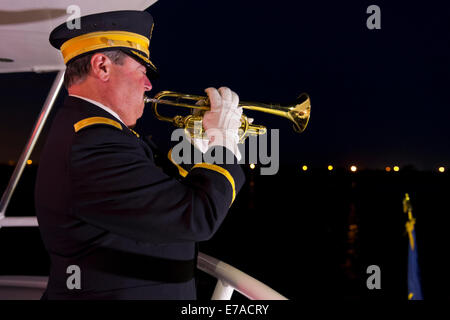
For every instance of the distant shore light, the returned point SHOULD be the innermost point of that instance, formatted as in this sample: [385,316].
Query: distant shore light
[330,167]
[396,168]
[304,168]
[388,169]
[353,168]
[441,169]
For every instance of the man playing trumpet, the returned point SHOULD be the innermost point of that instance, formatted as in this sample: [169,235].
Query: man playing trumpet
[103,206]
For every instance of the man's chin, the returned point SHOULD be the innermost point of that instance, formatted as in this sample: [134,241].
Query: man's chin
[141,110]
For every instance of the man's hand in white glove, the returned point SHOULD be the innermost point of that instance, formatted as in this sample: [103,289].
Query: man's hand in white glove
[223,120]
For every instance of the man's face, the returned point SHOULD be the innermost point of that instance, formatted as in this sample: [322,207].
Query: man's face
[129,83]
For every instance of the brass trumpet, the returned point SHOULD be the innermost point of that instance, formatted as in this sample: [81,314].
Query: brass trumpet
[298,113]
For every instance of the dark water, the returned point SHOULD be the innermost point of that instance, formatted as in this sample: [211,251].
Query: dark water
[306,235]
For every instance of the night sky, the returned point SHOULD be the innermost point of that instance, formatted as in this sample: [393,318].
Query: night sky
[379,97]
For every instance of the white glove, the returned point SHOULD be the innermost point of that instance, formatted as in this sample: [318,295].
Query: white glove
[222,122]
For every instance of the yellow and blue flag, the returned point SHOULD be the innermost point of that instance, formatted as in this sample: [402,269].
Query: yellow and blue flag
[414,288]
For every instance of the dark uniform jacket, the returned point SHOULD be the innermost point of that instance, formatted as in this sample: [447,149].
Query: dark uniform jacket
[104,206]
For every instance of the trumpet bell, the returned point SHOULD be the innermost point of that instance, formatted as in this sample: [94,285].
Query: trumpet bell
[300,112]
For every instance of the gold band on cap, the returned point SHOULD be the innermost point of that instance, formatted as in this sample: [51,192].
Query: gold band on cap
[104,39]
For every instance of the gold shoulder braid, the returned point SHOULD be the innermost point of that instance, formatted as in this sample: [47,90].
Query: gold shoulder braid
[96,120]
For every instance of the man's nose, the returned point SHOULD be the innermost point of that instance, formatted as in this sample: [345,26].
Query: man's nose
[147,84]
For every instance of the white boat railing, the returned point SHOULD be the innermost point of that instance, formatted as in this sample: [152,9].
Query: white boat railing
[35,282]
[229,279]
[18,222]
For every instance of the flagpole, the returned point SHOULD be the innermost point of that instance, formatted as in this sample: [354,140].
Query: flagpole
[414,287]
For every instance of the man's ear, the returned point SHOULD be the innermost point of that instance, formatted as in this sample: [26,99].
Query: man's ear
[101,66]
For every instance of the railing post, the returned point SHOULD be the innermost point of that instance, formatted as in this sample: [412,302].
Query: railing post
[223,291]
